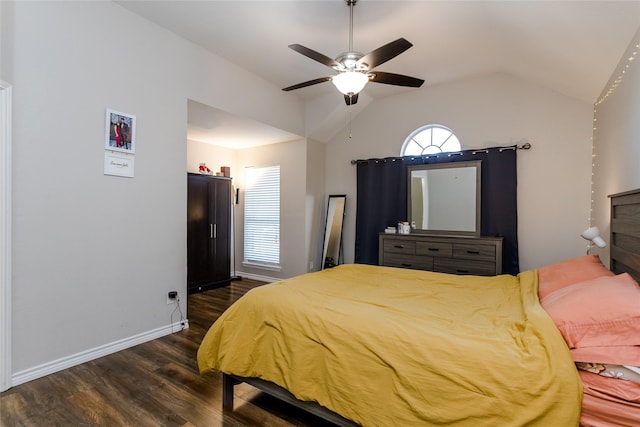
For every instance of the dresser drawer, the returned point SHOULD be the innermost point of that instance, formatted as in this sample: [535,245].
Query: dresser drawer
[398,246]
[434,249]
[415,262]
[464,266]
[474,251]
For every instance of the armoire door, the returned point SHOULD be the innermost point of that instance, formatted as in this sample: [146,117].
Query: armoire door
[220,194]
[198,232]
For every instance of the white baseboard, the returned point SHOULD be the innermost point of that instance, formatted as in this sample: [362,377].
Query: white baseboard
[257,277]
[94,353]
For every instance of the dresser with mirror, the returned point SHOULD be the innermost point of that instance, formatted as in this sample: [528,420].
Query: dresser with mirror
[444,206]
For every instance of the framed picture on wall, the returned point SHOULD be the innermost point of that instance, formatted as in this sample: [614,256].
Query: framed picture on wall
[120,133]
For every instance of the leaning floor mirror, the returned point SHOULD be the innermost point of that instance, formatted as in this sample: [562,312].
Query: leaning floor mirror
[332,247]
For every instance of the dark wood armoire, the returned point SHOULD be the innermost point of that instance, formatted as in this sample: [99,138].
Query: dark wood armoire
[208,232]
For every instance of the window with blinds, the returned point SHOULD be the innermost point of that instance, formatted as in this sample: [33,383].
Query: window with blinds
[262,215]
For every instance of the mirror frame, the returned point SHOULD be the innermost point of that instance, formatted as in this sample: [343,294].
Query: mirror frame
[449,165]
[331,230]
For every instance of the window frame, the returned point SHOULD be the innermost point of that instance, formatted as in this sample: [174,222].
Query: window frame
[411,139]
[251,219]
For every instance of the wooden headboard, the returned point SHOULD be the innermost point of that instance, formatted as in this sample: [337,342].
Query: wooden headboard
[625,233]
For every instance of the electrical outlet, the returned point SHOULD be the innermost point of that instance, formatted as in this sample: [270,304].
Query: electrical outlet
[172,296]
[310,265]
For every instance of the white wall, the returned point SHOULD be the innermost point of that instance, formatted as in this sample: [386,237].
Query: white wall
[94,255]
[294,249]
[212,155]
[316,203]
[616,139]
[489,110]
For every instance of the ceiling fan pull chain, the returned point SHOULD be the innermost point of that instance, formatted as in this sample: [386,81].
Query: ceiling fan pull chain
[350,107]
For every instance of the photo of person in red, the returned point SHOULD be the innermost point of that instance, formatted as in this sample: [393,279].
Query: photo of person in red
[121,128]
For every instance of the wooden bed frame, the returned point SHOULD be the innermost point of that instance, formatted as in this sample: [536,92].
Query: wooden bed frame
[229,381]
[625,258]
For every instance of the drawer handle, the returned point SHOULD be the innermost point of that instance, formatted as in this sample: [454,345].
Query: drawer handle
[399,246]
[405,265]
[462,271]
[433,249]
[474,252]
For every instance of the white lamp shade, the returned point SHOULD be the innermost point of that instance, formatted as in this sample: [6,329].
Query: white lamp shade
[350,82]
[593,234]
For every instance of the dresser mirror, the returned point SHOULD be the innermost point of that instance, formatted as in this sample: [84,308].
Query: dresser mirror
[444,198]
[333,231]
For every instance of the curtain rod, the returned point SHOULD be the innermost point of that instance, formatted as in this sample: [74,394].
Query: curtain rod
[526,145]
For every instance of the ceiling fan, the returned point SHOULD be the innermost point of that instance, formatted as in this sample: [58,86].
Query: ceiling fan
[354,69]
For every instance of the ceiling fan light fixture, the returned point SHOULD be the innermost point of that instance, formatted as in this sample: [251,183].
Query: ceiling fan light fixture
[350,82]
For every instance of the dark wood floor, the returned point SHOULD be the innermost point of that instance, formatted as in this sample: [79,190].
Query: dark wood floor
[152,384]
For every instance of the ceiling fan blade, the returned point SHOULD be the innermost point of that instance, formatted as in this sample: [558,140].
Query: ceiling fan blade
[394,79]
[385,53]
[351,99]
[308,83]
[316,56]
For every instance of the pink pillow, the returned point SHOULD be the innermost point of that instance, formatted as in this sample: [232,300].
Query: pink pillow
[597,313]
[565,273]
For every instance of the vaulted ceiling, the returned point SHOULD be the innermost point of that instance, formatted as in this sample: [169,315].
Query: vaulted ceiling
[571,47]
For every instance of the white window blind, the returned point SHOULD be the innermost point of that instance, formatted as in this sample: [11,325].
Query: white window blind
[262,215]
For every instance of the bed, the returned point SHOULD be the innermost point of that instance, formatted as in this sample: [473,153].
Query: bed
[368,345]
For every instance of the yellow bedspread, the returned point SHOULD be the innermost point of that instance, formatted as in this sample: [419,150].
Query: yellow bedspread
[392,347]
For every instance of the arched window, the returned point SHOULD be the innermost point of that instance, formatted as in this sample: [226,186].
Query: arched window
[430,139]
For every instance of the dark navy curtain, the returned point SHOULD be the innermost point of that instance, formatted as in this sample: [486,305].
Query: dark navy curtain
[382,199]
